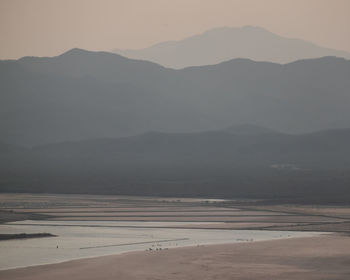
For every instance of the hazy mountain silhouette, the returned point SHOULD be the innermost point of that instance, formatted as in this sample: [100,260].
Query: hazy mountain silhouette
[82,95]
[222,44]
[248,129]
[212,163]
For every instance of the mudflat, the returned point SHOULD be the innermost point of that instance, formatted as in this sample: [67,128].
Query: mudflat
[323,257]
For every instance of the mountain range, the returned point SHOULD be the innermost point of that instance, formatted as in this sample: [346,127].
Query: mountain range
[226,43]
[84,95]
[98,122]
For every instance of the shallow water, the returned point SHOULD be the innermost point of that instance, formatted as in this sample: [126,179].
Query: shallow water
[85,239]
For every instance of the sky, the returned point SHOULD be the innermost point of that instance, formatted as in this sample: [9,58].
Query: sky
[51,27]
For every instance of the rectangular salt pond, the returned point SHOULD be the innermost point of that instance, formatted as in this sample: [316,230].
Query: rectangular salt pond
[85,239]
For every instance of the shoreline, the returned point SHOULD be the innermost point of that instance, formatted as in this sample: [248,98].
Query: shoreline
[290,258]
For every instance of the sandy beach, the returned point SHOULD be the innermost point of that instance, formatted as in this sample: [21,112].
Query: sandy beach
[324,257]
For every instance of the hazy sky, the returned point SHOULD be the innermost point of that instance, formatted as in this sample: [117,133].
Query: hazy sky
[50,27]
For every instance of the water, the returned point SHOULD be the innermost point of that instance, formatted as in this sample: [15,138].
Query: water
[85,239]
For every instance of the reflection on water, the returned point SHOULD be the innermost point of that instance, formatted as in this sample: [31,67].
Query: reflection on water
[90,238]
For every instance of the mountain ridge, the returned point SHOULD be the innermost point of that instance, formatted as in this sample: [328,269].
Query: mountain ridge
[102,95]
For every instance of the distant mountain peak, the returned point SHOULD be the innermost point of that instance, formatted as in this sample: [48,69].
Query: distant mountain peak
[239,28]
[226,43]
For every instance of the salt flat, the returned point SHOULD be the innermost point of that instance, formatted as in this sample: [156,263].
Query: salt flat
[313,258]
[83,239]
